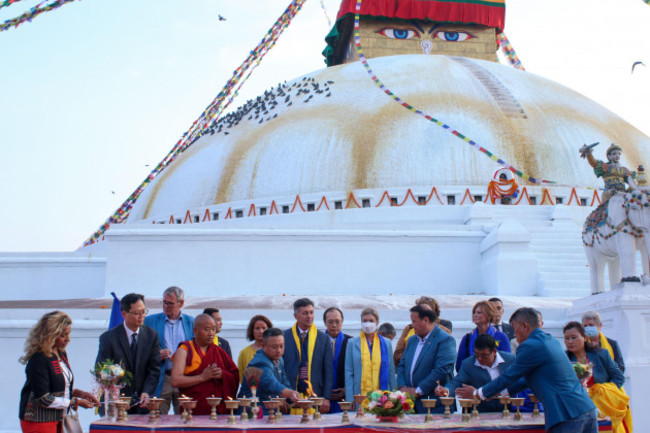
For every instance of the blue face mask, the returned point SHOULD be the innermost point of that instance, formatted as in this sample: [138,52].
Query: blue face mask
[591,331]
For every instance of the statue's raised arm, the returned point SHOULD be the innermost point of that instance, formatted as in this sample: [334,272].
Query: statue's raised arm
[614,175]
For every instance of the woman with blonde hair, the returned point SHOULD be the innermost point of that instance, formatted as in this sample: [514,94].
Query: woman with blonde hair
[48,392]
[483,315]
[369,359]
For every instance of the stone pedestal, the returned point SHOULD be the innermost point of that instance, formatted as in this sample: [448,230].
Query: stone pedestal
[626,318]
[507,266]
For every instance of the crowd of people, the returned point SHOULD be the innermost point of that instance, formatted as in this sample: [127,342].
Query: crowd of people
[171,354]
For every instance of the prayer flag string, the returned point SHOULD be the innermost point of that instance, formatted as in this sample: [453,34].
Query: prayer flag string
[329,22]
[30,14]
[509,51]
[8,3]
[208,117]
[387,91]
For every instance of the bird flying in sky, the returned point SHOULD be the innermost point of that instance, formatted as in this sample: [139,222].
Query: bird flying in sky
[635,64]
[221,18]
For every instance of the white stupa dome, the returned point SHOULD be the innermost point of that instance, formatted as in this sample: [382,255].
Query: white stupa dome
[335,130]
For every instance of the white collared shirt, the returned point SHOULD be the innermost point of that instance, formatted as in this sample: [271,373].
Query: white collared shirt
[129,333]
[494,372]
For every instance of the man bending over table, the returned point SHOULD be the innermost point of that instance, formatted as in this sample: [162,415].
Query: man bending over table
[542,363]
[268,366]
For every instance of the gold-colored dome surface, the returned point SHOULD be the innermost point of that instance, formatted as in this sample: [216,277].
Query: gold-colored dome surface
[335,130]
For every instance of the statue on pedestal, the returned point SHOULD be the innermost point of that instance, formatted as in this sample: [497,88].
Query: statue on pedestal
[614,231]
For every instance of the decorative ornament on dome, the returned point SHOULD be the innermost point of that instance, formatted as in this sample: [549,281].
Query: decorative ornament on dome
[451,27]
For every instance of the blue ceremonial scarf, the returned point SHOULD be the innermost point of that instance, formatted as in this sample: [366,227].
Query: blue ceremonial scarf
[338,343]
[472,339]
[383,367]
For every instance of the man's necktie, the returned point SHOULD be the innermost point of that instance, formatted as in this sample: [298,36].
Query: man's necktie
[303,335]
[134,346]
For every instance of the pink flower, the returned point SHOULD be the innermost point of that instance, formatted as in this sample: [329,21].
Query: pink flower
[388,404]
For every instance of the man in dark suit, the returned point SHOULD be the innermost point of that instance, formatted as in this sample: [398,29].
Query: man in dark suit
[498,323]
[543,365]
[485,364]
[429,358]
[308,354]
[333,318]
[136,347]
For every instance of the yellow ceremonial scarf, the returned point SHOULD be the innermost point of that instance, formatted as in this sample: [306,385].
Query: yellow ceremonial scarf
[216,340]
[409,335]
[311,344]
[605,345]
[370,364]
[613,403]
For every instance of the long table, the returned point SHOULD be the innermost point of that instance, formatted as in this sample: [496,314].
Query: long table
[331,423]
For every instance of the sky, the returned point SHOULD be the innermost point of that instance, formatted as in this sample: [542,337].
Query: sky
[96,93]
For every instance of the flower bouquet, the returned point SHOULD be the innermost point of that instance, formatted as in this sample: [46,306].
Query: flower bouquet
[584,372]
[110,377]
[388,405]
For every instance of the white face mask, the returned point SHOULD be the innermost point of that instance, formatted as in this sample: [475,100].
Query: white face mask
[368,327]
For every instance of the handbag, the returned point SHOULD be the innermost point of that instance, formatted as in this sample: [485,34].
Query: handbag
[71,422]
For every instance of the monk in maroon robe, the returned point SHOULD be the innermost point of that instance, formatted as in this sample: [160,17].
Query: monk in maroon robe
[202,369]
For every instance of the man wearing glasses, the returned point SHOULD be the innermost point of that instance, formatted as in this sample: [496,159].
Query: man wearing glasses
[135,346]
[172,327]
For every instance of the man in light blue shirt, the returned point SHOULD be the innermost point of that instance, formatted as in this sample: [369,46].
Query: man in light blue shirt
[172,327]
[428,359]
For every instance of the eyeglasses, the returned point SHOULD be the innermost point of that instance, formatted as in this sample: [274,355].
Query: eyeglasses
[138,313]
[168,304]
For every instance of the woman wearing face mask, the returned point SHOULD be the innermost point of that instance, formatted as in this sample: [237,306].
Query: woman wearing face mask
[593,324]
[369,359]
[605,384]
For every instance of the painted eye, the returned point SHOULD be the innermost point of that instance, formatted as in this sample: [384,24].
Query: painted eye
[395,33]
[453,36]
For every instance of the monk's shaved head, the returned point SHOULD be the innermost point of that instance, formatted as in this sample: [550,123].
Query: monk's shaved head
[201,320]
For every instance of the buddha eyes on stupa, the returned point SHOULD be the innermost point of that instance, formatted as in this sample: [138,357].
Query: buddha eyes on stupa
[453,36]
[397,33]
[411,33]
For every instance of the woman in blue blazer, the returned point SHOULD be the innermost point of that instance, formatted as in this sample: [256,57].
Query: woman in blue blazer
[382,377]
[483,315]
[604,368]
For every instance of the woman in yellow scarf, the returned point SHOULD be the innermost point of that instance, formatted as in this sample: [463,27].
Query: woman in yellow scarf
[593,325]
[369,359]
[606,382]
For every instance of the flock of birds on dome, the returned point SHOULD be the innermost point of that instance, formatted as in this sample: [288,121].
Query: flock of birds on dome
[261,109]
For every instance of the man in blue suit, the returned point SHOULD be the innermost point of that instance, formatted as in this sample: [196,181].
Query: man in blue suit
[308,354]
[541,363]
[486,364]
[273,381]
[172,327]
[428,359]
